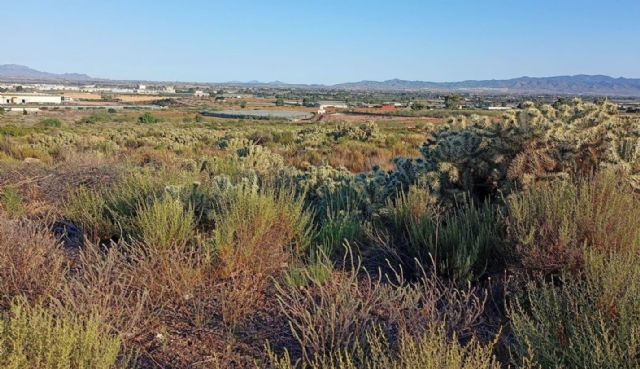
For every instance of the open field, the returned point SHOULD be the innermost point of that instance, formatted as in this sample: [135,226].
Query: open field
[170,239]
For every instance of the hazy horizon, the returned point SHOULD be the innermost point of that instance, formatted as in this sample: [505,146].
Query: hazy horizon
[324,43]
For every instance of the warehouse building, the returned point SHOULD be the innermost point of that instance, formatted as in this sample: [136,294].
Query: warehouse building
[24,99]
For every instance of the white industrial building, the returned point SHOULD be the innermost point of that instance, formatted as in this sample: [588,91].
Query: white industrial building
[23,99]
[200,94]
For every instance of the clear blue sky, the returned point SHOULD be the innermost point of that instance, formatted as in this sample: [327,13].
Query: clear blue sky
[322,41]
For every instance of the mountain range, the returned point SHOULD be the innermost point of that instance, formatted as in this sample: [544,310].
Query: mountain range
[570,85]
[15,72]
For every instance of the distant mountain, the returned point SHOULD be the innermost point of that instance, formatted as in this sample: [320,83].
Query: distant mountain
[574,85]
[596,85]
[15,72]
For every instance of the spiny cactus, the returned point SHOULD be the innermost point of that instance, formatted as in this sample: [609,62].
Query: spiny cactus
[479,156]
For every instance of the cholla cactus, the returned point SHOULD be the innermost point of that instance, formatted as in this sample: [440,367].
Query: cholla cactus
[364,132]
[480,157]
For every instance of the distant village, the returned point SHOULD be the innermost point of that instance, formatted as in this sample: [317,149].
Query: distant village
[25,97]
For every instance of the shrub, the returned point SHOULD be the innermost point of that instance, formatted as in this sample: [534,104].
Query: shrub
[259,231]
[32,265]
[164,223]
[88,209]
[12,202]
[94,118]
[432,350]
[553,224]
[34,337]
[110,212]
[330,315]
[14,131]
[50,123]
[148,118]
[592,322]
[459,241]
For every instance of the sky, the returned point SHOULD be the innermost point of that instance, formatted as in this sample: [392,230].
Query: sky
[320,41]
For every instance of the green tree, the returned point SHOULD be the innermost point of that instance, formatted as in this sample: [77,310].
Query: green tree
[243,104]
[417,106]
[309,102]
[280,102]
[148,118]
[452,102]
[19,89]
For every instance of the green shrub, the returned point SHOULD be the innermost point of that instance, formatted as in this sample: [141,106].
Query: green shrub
[460,241]
[34,337]
[164,224]
[12,202]
[110,212]
[14,131]
[94,118]
[50,123]
[335,230]
[148,118]
[554,223]
[589,322]
[88,209]
[259,231]
[319,271]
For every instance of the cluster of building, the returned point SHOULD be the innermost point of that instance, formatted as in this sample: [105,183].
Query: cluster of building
[138,89]
[31,98]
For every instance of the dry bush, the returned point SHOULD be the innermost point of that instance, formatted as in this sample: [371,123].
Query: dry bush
[138,287]
[156,300]
[553,224]
[32,263]
[256,235]
[338,314]
[434,349]
[239,298]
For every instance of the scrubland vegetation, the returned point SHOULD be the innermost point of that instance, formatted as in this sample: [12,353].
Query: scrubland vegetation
[159,241]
